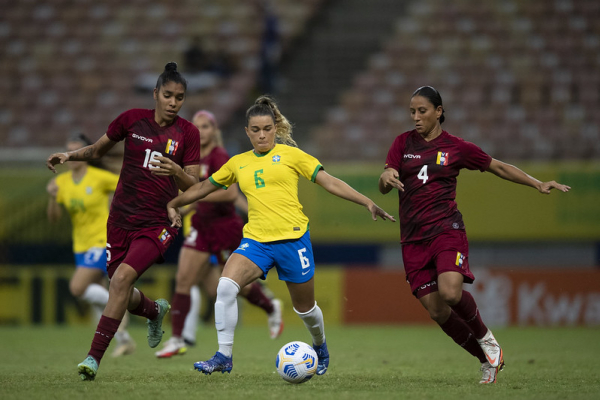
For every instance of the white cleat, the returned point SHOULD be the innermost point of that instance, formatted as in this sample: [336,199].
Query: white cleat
[276,320]
[489,373]
[492,350]
[124,348]
[172,347]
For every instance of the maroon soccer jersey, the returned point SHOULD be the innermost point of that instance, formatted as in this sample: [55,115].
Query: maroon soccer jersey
[428,171]
[206,211]
[141,198]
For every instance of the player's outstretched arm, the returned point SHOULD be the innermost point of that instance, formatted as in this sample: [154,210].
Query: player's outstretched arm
[194,193]
[87,153]
[514,174]
[388,180]
[341,189]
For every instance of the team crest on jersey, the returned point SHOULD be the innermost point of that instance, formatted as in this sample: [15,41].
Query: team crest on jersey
[460,259]
[164,236]
[442,158]
[171,147]
[276,158]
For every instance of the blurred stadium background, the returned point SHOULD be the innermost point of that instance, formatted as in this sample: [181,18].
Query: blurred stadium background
[518,78]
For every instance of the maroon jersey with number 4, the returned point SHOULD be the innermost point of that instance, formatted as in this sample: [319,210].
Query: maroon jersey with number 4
[428,171]
[207,211]
[141,198]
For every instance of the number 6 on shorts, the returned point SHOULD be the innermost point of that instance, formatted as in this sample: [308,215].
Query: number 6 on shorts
[303,259]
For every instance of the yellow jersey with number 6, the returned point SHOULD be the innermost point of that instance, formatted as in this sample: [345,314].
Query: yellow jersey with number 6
[87,202]
[270,183]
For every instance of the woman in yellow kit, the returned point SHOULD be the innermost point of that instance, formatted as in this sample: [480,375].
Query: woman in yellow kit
[276,234]
[85,192]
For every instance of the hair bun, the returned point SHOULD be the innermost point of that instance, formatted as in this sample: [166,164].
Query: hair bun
[172,66]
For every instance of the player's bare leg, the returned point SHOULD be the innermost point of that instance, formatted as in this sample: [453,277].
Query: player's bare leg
[193,266]
[303,300]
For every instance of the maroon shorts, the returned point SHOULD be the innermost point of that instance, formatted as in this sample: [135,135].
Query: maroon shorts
[424,261]
[218,236]
[138,248]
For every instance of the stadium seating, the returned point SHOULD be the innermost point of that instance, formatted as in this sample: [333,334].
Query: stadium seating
[520,79]
[73,64]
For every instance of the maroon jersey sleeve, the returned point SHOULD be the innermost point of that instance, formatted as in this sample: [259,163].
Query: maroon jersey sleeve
[394,156]
[191,156]
[473,157]
[117,130]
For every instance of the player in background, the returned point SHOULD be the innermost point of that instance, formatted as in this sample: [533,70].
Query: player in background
[422,165]
[276,234]
[161,157]
[86,192]
[216,229]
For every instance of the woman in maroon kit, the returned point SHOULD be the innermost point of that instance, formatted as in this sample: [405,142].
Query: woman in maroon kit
[216,229]
[423,165]
[161,157]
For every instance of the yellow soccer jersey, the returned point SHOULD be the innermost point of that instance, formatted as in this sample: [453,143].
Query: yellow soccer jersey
[270,182]
[87,204]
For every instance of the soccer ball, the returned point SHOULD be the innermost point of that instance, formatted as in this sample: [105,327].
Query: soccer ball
[296,362]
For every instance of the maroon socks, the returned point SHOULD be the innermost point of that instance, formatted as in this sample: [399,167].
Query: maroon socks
[104,333]
[257,297]
[459,331]
[179,310]
[147,308]
[466,308]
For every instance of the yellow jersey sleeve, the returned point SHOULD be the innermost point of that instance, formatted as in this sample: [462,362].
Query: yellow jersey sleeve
[226,175]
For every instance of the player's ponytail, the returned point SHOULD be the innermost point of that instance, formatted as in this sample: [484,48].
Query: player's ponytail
[265,105]
[433,96]
[170,74]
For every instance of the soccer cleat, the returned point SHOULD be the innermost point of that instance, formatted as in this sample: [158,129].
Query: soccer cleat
[124,348]
[88,369]
[218,362]
[174,346]
[492,350]
[155,332]
[323,355]
[276,320]
[489,372]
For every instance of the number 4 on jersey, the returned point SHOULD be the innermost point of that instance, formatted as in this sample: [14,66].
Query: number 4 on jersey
[423,174]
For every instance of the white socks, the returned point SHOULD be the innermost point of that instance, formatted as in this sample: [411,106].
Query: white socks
[226,314]
[97,296]
[191,320]
[313,320]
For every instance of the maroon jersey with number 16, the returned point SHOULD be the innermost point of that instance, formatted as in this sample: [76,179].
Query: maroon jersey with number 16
[141,198]
[428,171]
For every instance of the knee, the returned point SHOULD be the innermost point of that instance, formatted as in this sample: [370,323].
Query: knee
[76,289]
[227,289]
[123,279]
[439,314]
[450,296]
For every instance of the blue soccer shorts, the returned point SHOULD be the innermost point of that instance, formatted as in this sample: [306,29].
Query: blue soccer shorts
[292,258]
[95,257]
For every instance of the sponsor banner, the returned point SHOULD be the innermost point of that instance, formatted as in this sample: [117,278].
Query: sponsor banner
[540,297]
[532,297]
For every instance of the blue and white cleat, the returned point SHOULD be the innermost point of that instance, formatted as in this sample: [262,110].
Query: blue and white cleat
[218,362]
[87,369]
[323,355]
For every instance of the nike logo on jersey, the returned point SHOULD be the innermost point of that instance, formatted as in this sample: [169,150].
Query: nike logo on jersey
[305,272]
[244,166]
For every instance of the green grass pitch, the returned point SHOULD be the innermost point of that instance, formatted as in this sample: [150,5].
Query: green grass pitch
[366,363]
